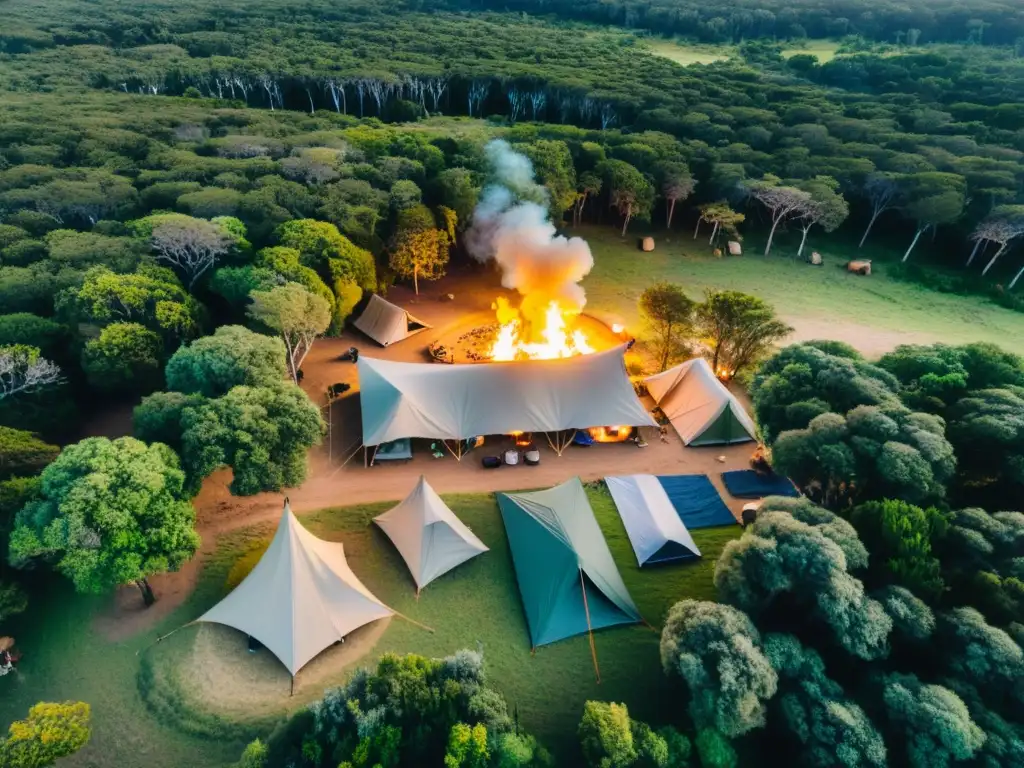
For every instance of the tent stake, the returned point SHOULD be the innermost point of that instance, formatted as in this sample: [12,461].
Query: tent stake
[590,630]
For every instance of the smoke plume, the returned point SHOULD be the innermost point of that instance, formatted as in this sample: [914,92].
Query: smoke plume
[512,228]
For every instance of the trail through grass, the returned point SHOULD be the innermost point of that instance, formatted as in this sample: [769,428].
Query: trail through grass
[476,605]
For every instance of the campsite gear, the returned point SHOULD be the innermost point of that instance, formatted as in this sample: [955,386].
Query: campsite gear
[656,532]
[696,501]
[735,249]
[301,597]
[566,574]
[511,457]
[349,355]
[454,402]
[336,390]
[396,450]
[254,644]
[386,323]
[532,458]
[750,513]
[699,406]
[859,267]
[748,484]
[491,462]
[583,438]
[646,244]
[439,353]
[428,535]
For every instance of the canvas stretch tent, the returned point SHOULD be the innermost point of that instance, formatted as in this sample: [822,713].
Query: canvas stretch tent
[458,402]
[428,535]
[655,529]
[702,410]
[567,578]
[301,597]
[387,323]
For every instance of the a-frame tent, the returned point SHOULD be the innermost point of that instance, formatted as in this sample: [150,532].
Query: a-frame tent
[428,535]
[301,597]
[567,577]
[701,408]
[387,323]
[655,529]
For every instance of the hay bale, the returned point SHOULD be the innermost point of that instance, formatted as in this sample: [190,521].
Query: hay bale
[816,258]
[735,249]
[647,244]
[860,266]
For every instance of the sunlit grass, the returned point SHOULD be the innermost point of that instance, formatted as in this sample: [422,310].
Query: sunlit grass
[686,53]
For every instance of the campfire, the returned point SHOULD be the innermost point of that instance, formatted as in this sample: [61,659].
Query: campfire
[538,330]
[610,434]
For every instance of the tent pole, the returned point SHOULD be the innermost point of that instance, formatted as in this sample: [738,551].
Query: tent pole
[164,637]
[414,623]
[552,444]
[365,462]
[292,692]
[590,630]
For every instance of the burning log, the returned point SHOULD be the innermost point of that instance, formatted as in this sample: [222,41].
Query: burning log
[618,434]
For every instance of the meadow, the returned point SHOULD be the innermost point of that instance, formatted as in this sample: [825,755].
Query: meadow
[475,606]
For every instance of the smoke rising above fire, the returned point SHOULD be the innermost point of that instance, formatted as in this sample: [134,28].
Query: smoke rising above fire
[513,229]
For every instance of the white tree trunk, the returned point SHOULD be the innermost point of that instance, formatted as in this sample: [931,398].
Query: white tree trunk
[714,233]
[771,236]
[803,242]
[416,278]
[629,214]
[912,244]
[974,252]
[868,230]
[1015,279]
[994,258]
[671,210]
[697,228]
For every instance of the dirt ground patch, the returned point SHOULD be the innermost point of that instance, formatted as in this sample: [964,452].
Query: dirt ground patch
[126,615]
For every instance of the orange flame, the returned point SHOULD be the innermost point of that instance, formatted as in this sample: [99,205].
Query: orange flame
[545,336]
[610,434]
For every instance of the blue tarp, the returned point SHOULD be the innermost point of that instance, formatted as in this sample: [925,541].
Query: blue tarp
[748,484]
[696,501]
[396,450]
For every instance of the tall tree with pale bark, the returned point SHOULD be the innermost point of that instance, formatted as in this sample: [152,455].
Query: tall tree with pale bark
[1002,227]
[933,199]
[883,192]
[722,218]
[781,202]
[294,313]
[827,208]
[677,184]
[23,370]
[421,254]
[629,191]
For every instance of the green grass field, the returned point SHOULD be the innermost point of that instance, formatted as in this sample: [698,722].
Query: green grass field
[686,53]
[873,313]
[145,720]
[823,50]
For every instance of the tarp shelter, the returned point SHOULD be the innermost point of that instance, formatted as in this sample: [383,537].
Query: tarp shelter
[428,535]
[748,484]
[566,574]
[655,529]
[696,501]
[387,323]
[701,408]
[456,402]
[300,598]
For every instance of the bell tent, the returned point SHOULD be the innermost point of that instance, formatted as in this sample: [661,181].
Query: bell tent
[428,535]
[655,529]
[387,323]
[702,410]
[301,597]
[566,574]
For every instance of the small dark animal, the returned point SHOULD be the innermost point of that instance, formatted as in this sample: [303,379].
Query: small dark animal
[338,389]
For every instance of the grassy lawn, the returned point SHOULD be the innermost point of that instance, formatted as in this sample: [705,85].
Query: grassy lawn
[874,313]
[686,53]
[477,605]
[822,50]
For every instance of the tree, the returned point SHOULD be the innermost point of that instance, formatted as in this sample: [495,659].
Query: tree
[828,208]
[588,185]
[552,163]
[22,453]
[254,756]
[980,653]
[294,313]
[986,429]
[669,312]
[785,565]
[739,329]
[31,330]
[1004,225]
[322,247]
[882,190]
[125,357]
[911,618]
[72,525]
[831,728]
[404,194]
[421,254]
[931,725]
[23,370]
[717,651]
[233,355]
[262,433]
[933,199]
[190,245]
[467,747]
[722,218]
[49,733]
[901,537]
[781,202]
[676,185]
[605,735]
[451,222]
[458,191]
[629,191]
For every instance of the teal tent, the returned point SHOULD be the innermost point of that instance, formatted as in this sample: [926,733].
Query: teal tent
[567,578]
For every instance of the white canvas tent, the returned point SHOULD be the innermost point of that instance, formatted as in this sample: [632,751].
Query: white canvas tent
[702,410]
[387,323]
[654,528]
[428,535]
[301,597]
[457,402]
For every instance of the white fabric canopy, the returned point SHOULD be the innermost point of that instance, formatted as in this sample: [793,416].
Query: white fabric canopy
[387,323]
[428,535]
[652,523]
[454,402]
[701,408]
[300,598]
